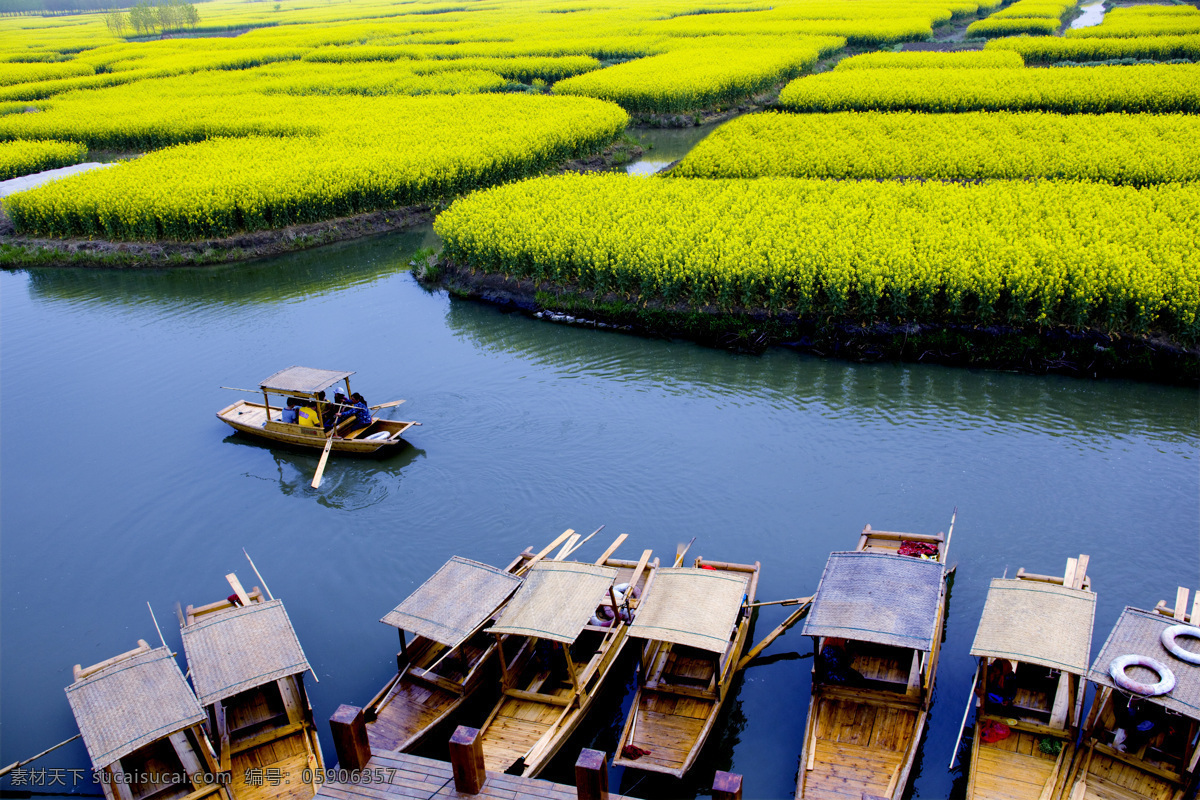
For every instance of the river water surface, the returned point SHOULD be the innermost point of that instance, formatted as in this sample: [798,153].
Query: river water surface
[135,493]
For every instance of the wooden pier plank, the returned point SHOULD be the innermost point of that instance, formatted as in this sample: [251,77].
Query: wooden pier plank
[426,779]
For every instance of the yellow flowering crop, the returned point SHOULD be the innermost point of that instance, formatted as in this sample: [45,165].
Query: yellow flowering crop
[963,59]
[1074,253]
[1048,50]
[26,157]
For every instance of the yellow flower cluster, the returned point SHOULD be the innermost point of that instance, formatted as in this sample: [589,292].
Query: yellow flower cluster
[1136,21]
[915,59]
[687,80]
[1049,50]
[1139,149]
[1158,88]
[1074,253]
[1013,26]
[24,157]
[393,152]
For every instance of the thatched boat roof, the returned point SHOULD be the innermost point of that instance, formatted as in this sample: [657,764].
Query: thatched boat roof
[129,704]
[303,380]
[878,597]
[690,606]
[1037,623]
[456,600]
[1137,632]
[236,650]
[556,600]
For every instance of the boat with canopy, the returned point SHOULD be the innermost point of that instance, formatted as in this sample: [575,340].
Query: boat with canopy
[308,386]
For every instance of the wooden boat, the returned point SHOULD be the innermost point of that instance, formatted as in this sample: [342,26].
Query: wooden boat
[264,420]
[1034,648]
[142,728]
[554,658]
[247,668]
[445,661]
[694,624]
[1137,746]
[876,623]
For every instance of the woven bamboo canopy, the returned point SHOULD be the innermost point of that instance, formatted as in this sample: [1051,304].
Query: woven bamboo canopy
[456,600]
[1037,623]
[303,380]
[694,607]
[1137,632]
[233,651]
[877,597]
[132,703]
[556,600]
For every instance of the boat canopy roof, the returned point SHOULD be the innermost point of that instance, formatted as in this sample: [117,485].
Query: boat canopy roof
[1037,623]
[878,597]
[302,380]
[235,650]
[456,600]
[556,600]
[129,704]
[690,606]
[1137,632]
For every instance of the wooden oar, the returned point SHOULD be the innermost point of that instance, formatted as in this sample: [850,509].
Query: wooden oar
[392,404]
[316,481]
[681,551]
[796,616]
[593,533]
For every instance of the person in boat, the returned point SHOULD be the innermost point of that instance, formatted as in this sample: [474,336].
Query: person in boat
[355,407]
[1137,721]
[308,416]
[291,414]
[1001,683]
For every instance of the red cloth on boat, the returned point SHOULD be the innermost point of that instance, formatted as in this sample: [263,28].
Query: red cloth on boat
[911,548]
[633,751]
[992,731]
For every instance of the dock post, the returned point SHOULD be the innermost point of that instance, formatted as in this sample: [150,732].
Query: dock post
[727,786]
[591,775]
[349,728]
[466,760]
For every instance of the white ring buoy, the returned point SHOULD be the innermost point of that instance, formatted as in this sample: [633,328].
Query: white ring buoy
[600,623]
[1166,678]
[378,436]
[1169,635]
[623,589]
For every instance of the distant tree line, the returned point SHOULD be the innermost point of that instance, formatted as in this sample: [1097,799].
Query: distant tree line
[142,19]
[177,14]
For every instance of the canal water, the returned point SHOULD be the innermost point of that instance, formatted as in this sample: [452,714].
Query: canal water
[121,488]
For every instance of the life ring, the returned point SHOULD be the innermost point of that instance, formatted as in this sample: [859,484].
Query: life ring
[1169,635]
[623,590]
[1166,678]
[378,436]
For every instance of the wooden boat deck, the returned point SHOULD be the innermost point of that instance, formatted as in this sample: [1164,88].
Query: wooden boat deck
[859,746]
[401,776]
[1015,768]
[418,702]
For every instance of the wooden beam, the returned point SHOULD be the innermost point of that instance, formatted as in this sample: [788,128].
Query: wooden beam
[545,551]
[1081,571]
[187,757]
[466,760]
[83,672]
[641,567]
[727,786]
[237,588]
[566,548]
[1181,598]
[291,698]
[591,775]
[612,548]
[349,728]
[1062,701]
[1069,575]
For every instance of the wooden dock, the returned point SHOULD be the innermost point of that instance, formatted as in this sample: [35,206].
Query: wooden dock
[383,775]
[407,776]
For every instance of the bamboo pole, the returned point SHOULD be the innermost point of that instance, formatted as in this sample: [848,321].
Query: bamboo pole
[16,764]
[963,726]
[775,634]
[259,574]
[949,533]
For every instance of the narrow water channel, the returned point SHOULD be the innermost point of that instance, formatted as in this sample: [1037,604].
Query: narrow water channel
[1090,14]
[137,494]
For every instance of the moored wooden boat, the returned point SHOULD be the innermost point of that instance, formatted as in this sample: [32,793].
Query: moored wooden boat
[876,624]
[264,420]
[142,728]
[554,658]
[248,668]
[1135,745]
[1034,646]
[694,625]
[445,661]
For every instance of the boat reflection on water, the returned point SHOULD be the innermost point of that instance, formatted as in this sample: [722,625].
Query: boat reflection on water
[349,483]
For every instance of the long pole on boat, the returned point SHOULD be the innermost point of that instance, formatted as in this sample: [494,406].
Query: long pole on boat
[946,547]
[316,481]
[962,727]
[160,636]
[259,574]
[16,764]
[389,404]
[681,551]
